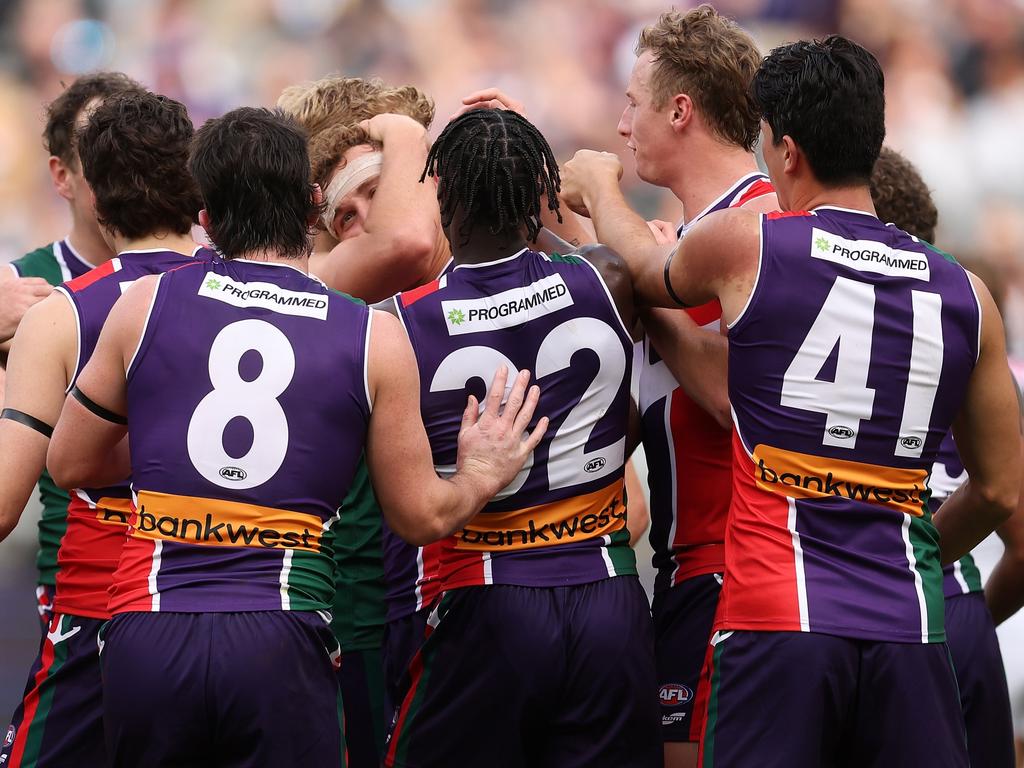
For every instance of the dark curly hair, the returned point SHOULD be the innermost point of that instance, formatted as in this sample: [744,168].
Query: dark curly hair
[252,167]
[494,166]
[63,111]
[829,97]
[134,152]
[901,196]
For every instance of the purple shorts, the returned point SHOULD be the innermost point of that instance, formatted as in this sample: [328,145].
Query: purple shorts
[221,689]
[808,700]
[683,616]
[530,676]
[973,644]
[60,719]
[403,639]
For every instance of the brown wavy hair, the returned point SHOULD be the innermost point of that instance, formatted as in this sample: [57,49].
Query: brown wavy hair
[134,151]
[901,196]
[336,100]
[711,59]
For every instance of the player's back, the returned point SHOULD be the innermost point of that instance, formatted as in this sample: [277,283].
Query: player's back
[247,413]
[846,369]
[97,517]
[562,520]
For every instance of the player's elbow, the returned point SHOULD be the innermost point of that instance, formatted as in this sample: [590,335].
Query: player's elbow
[67,470]
[1000,498]
[418,528]
[9,518]
[410,253]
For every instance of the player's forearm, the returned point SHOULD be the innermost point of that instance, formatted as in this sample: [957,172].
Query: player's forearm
[972,513]
[404,210]
[1004,590]
[441,508]
[626,232]
[698,359]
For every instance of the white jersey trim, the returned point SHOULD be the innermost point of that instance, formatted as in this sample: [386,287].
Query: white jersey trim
[145,328]
[611,300]
[918,581]
[977,303]
[158,546]
[286,569]
[515,255]
[798,564]
[757,274]
[366,360]
[78,337]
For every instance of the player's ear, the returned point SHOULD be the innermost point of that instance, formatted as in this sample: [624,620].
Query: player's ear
[60,175]
[791,156]
[680,112]
[204,219]
[318,200]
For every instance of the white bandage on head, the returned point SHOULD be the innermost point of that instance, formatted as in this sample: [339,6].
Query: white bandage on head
[346,181]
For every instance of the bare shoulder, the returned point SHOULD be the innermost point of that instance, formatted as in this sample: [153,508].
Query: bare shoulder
[613,270]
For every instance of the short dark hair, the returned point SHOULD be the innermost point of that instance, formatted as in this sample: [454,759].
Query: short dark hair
[63,111]
[829,96]
[901,196]
[134,152]
[494,165]
[252,167]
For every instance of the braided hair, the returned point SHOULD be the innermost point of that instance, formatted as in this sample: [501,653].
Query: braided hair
[494,165]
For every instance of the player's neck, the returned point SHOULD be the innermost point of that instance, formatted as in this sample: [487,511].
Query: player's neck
[701,183]
[810,196]
[88,242]
[156,242]
[482,247]
[271,257]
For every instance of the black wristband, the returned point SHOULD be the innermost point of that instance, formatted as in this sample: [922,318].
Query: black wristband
[96,408]
[32,422]
[668,282]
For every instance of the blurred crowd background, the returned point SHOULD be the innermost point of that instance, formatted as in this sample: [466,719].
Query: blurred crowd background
[954,82]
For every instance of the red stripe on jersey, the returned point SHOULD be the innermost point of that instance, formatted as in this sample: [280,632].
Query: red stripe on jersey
[31,703]
[416,675]
[705,313]
[703,474]
[759,188]
[760,563]
[411,297]
[131,590]
[94,274]
[786,214]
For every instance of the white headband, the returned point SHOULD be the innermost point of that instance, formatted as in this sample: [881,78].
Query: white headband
[346,181]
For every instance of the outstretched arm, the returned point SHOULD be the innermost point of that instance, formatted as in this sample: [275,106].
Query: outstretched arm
[493,445]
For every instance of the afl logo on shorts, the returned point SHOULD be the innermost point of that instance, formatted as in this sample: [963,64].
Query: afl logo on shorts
[840,432]
[232,473]
[673,694]
[911,442]
[9,738]
[594,465]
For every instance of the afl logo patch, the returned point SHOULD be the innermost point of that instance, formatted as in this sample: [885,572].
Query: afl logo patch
[594,465]
[232,473]
[673,694]
[9,738]
[841,432]
[911,442]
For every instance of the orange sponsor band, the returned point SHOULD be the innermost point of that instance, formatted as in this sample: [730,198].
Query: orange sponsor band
[578,518]
[111,511]
[805,476]
[219,523]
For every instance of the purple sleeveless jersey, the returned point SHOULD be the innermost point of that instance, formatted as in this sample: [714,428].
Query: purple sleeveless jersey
[97,517]
[846,369]
[247,412]
[562,520]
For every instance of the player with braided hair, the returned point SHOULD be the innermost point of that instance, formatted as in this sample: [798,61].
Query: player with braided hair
[540,595]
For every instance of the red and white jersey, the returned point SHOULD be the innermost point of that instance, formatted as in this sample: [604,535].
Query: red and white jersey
[689,455]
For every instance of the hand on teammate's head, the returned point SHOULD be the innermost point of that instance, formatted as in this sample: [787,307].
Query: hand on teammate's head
[489,98]
[379,127]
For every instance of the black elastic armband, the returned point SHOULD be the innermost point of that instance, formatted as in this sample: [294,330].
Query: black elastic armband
[32,422]
[668,283]
[96,408]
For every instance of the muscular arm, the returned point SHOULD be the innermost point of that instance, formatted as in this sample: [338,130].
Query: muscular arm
[86,449]
[402,227]
[988,442]
[1004,590]
[417,504]
[39,367]
[697,357]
